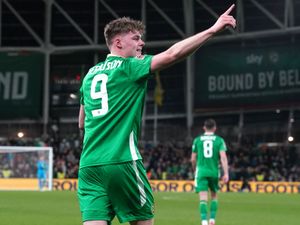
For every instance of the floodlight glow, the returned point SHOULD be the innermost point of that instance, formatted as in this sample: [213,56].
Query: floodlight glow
[290,138]
[73,96]
[20,134]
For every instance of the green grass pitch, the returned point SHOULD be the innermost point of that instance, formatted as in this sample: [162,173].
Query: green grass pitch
[61,208]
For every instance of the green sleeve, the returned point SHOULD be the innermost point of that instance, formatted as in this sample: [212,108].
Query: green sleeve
[194,147]
[139,68]
[223,146]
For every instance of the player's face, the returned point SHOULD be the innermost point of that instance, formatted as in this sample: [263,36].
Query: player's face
[132,44]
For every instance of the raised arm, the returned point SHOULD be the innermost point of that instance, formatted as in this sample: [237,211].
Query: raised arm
[186,47]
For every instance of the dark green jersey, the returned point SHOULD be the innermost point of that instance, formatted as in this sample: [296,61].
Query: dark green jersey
[208,147]
[113,95]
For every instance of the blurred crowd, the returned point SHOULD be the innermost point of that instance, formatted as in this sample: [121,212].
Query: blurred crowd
[264,163]
[66,154]
[171,161]
[246,162]
[167,161]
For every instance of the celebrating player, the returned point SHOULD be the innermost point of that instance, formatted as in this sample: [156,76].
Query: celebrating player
[112,178]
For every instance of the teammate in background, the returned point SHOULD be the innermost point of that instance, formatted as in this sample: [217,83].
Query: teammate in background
[208,149]
[112,178]
[41,172]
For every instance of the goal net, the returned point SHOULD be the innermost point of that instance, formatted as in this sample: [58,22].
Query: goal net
[26,168]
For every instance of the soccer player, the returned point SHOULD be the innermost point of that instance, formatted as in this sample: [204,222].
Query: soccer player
[112,178]
[208,149]
[41,172]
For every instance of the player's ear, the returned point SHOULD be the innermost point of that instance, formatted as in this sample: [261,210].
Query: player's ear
[118,42]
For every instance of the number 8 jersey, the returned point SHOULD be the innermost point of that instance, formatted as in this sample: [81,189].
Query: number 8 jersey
[208,147]
[113,94]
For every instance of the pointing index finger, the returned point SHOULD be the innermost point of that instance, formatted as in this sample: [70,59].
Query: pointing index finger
[228,11]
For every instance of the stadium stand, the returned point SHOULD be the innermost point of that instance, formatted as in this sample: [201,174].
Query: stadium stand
[171,160]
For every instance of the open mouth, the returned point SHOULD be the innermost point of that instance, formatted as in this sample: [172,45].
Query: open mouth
[139,52]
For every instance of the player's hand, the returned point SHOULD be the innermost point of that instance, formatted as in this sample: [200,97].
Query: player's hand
[225,178]
[224,21]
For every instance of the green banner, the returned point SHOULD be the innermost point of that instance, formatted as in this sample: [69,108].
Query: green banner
[242,77]
[21,76]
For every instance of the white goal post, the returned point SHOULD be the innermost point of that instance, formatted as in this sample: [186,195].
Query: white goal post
[26,168]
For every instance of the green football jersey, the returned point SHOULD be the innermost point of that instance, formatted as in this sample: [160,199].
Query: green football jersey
[113,94]
[208,147]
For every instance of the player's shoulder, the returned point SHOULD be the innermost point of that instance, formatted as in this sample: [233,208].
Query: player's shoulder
[142,59]
[197,138]
[219,137]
